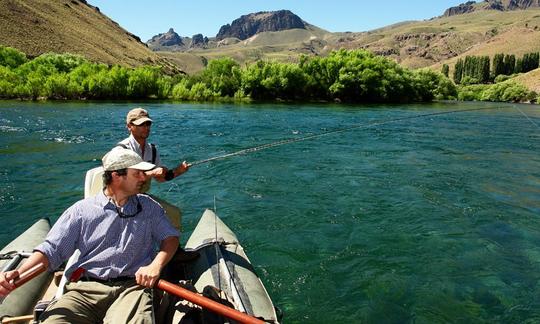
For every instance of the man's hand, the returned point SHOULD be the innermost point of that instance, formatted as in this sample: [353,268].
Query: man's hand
[183,167]
[6,282]
[147,276]
[158,173]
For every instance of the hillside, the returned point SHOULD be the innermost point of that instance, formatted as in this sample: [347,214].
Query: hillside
[74,26]
[483,28]
[39,26]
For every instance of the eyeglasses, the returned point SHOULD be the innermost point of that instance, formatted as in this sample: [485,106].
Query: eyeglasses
[146,124]
[123,215]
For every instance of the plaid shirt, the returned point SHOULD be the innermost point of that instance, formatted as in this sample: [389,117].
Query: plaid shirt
[111,246]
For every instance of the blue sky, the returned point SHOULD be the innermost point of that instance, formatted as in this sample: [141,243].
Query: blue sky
[148,18]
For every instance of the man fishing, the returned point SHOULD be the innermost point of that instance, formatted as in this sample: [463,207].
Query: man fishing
[138,123]
[117,232]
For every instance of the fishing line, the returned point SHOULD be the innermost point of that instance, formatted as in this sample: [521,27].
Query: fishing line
[357,126]
[528,118]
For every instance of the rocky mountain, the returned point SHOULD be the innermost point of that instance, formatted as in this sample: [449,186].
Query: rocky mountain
[474,28]
[198,41]
[71,26]
[264,21]
[171,41]
[460,9]
[500,5]
[170,38]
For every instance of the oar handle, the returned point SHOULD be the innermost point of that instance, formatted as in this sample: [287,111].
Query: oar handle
[27,276]
[207,303]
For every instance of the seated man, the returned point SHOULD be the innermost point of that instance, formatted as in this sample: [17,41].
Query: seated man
[118,233]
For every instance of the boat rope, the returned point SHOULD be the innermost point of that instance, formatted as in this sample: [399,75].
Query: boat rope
[341,130]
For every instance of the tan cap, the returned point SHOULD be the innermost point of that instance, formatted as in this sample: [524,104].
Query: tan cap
[137,116]
[120,158]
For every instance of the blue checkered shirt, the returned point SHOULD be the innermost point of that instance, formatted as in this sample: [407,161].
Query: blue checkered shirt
[110,246]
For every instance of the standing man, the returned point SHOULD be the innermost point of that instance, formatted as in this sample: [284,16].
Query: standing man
[138,123]
[117,232]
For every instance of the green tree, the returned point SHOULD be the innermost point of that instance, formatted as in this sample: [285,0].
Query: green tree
[498,65]
[8,81]
[445,70]
[222,76]
[143,82]
[458,71]
[508,91]
[509,64]
[272,80]
[519,65]
[11,57]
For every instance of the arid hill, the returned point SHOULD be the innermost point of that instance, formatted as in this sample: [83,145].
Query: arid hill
[71,26]
[490,27]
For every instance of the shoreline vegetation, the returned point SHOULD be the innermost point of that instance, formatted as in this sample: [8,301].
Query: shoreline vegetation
[351,76]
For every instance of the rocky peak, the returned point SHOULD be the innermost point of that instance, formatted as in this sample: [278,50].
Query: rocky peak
[460,9]
[198,41]
[494,5]
[501,5]
[522,4]
[254,23]
[170,38]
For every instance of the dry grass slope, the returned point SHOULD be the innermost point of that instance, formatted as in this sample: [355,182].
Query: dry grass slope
[71,26]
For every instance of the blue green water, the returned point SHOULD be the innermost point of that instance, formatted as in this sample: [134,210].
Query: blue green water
[428,220]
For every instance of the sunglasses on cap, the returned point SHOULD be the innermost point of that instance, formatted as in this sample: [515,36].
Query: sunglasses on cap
[146,123]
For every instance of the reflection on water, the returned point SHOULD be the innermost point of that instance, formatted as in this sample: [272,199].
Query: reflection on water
[427,220]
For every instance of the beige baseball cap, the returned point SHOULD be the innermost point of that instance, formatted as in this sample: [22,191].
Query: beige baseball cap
[137,116]
[120,158]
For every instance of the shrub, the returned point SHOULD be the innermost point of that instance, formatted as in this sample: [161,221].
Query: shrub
[11,57]
[509,91]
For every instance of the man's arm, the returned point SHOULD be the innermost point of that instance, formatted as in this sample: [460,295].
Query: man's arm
[6,278]
[148,275]
[157,173]
[161,174]
[180,169]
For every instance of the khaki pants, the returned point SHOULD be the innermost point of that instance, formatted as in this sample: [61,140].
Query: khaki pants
[94,302]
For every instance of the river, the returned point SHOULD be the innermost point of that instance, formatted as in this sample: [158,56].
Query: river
[427,220]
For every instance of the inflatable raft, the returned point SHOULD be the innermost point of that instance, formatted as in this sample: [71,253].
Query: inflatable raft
[221,265]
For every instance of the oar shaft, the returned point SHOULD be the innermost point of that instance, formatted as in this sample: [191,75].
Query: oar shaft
[18,319]
[207,303]
[27,276]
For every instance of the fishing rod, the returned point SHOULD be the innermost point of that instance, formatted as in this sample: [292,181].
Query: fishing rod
[341,130]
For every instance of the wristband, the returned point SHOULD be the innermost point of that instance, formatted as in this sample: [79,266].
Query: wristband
[169,175]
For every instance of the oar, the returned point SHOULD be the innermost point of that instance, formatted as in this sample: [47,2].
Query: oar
[24,318]
[207,303]
[27,276]
[168,287]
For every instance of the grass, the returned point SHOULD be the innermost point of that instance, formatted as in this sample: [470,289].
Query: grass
[70,26]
